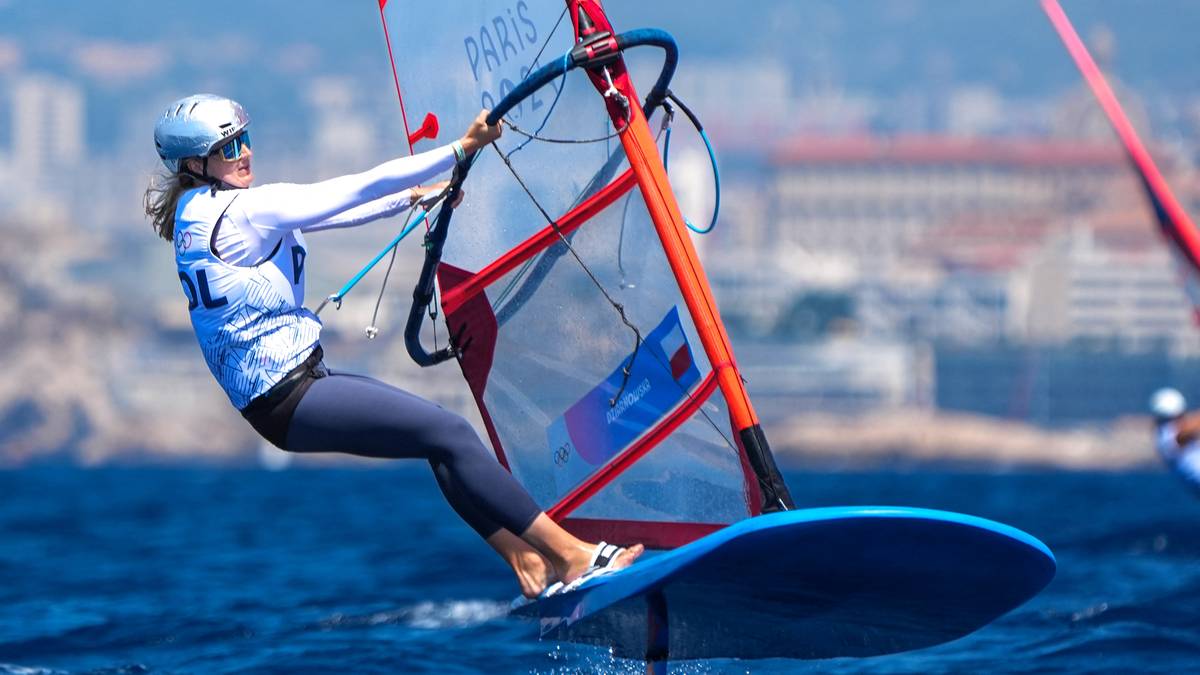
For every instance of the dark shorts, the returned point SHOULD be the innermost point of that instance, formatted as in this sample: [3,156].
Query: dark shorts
[271,413]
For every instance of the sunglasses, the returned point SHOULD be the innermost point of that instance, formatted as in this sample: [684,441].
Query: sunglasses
[236,147]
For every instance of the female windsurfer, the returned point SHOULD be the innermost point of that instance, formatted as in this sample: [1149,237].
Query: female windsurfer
[240,252]
[1177,434]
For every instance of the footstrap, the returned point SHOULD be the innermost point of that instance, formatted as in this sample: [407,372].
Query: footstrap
[603,558]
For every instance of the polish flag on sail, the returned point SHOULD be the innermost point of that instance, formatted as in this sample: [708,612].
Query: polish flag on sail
[675,346]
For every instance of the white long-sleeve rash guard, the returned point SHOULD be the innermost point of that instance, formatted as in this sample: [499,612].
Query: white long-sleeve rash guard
[261,214]
[241,255]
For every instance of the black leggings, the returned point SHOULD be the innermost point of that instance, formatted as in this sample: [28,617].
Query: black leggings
[359,415]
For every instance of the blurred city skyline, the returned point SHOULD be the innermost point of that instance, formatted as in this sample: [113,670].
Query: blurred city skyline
[930,58]
[914,193]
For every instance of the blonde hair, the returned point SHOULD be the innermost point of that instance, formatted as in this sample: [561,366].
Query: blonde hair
[162,198]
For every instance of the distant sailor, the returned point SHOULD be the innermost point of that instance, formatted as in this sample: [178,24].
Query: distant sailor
[241,254]
[1178,434]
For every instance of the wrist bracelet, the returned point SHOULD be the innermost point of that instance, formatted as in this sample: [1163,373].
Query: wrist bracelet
[459,153]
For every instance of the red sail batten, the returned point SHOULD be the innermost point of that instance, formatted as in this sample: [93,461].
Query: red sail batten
[569,222]
[605,475]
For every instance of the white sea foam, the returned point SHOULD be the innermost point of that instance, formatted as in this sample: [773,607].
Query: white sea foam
[427,615]
[14,669]
[571,659]
[455,613]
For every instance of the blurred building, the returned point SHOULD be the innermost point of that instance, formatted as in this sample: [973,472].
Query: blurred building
[1020,264]
[838,375]
[875,198]
[1078,290]
[47,127]
[922,232]
[45,143]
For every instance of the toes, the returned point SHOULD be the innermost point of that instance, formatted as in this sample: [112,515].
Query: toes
[631,554]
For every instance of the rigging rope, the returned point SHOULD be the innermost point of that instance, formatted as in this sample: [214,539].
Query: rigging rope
[620,308]
[712,158]
[615,94]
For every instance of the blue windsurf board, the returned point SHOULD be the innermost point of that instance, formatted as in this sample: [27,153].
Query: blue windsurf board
[807,584]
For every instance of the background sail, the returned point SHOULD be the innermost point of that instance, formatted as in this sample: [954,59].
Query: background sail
[1173,220]
[580,351]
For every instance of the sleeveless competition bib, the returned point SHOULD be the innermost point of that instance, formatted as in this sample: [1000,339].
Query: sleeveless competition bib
[250,321]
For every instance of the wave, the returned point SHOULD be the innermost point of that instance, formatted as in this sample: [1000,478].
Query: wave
[425,615]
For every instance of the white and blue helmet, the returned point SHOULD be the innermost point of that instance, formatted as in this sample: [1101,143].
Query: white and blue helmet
[1167,403]
[195,126]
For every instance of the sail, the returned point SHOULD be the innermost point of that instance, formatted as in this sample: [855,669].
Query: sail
[584,324]
[1175,224]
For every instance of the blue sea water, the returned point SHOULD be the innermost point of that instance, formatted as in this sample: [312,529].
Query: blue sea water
[346,570]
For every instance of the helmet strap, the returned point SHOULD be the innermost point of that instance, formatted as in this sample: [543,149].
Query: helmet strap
[214,183]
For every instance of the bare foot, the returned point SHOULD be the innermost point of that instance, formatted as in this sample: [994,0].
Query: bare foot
[534,574]
[624,559]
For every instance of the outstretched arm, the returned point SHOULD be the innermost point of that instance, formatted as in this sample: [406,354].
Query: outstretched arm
[344,201]
[282,207]
[383,207]
[1187,428]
